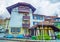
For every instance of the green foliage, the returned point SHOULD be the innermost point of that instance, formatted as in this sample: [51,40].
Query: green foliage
[46,37]
[39,37]
[57,25]
[33,37]
[58,36]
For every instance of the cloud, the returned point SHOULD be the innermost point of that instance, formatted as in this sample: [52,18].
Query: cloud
[48,8]
[45,7]
[54,1]
[2,7]
[11,2]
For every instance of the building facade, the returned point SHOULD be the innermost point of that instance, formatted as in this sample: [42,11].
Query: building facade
[57,22]
[2,23]
[22,18]
[50,19]
[44,31]
[24,22]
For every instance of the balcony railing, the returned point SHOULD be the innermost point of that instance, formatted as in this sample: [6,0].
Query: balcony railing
[23,10]
[26,25]
[26,17]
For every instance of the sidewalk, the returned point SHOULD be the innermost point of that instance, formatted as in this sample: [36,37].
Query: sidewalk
[27,40]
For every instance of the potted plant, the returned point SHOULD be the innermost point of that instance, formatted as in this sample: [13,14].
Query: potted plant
[58,36]
[39,37]
[46,37]
[33,37]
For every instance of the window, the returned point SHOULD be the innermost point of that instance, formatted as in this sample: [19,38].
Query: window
[41,17]
[37,17]
[25,22]
[25,14]
[34,17]
[34,23]
[15,30]
[25,31]
[57,19]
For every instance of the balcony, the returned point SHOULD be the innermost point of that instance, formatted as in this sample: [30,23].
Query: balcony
[26,25]
[26,17]
[20,10]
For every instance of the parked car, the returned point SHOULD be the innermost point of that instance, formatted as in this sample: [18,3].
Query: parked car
[2,35]
[2,30]
[9,36]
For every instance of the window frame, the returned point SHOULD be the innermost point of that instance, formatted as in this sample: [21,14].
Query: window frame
[15,30]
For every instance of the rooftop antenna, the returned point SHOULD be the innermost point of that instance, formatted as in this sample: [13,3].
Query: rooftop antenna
[56,14]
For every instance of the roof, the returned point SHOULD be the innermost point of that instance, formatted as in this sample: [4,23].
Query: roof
[52,26]
[46,23]
[50,17]
[39,14]
[20,4]
[57,18]
[7,19]
[58,21]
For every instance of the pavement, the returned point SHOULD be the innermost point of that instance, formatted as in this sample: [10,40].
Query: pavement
[26,40]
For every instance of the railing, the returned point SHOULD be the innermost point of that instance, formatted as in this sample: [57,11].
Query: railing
[26,17]
[23,10]
[26,25]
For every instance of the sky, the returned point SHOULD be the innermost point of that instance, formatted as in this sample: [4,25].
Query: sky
[43,7]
